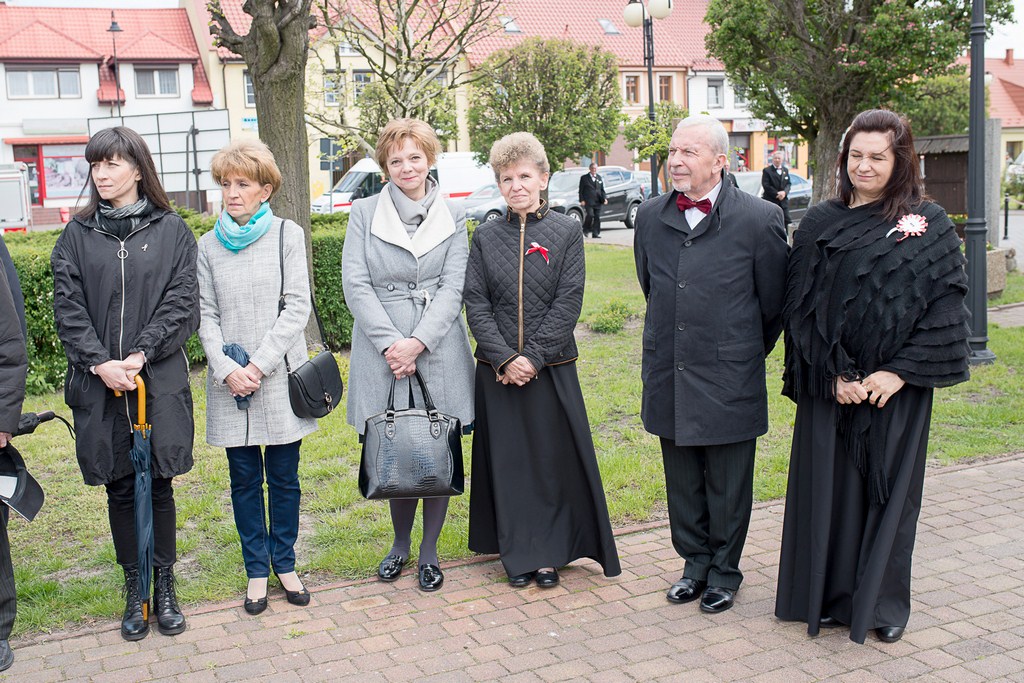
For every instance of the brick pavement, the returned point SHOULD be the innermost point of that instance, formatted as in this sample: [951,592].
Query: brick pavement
[1010,315]
[967,623]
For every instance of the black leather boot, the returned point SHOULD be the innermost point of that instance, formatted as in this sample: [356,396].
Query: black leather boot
[135,621]
[169,619]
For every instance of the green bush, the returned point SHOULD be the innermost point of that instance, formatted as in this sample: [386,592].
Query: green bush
[611,318]
[47,363]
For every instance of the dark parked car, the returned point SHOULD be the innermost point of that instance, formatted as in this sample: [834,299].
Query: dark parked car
[623,190]
[799,192]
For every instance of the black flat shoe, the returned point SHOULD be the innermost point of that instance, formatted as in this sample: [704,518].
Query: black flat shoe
[255,607]
[685,590]
[521,580]
[889,634]
[830,622]
[391,568]
[716,599]
[547,579]
[431,577]
[299,597]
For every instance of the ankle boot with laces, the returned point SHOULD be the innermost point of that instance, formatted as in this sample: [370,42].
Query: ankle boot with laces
[169,619]
[135,620]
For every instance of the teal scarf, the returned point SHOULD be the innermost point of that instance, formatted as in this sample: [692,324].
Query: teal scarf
[237,237]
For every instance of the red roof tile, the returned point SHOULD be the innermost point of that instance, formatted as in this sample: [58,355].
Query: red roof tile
[678,39]
[1005,89]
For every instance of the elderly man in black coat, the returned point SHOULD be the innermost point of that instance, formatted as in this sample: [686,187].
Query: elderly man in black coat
[13,369]
[775,184]
[592,198]
[712,264]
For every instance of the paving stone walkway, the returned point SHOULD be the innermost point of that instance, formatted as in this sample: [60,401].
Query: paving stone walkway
[967,623]
[1010,315]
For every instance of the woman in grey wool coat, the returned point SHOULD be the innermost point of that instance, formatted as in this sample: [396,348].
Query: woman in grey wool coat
[247,406]
[403,266]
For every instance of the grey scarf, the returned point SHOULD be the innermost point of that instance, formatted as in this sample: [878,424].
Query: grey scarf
[122,220]
[410,211]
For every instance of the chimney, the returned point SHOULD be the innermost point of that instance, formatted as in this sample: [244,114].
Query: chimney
[1009,57]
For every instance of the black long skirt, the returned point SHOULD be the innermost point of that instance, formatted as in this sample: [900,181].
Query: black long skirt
[536,497]
[841,556]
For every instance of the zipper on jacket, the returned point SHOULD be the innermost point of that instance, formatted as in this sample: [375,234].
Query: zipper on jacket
[522,257]
[122,254]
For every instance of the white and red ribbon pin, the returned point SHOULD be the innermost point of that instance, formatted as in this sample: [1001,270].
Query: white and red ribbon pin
[911,225]
[539,249]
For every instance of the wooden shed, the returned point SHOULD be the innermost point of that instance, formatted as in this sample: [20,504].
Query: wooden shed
[944,168]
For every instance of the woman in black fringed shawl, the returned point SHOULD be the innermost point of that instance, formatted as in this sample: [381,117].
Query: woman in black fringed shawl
[875,320]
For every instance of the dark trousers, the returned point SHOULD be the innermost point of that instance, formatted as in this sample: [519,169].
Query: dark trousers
[121,511]
[8,596]
[592,219]
[710,493]
[263,548]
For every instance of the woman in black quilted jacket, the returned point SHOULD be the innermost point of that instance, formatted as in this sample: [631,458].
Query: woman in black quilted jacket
[536,497]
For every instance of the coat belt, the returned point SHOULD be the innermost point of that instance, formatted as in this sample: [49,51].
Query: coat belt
[422,294]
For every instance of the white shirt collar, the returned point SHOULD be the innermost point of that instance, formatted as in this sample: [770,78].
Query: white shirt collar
[694,216]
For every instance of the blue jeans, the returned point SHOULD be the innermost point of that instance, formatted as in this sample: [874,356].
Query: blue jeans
[261,549]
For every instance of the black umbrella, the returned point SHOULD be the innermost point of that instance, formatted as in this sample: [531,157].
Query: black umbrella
[236,353]
[140,455]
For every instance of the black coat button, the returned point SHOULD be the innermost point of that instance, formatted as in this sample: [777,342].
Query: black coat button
[682,284]
[681,327]
[681,366]
[687,243]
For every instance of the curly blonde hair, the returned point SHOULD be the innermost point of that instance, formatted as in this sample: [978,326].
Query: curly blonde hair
[515,148]
[397,131]
[250,158]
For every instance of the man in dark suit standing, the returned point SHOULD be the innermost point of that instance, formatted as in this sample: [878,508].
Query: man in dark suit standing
[13,369]
[775,184]
[712,265]
[592,198]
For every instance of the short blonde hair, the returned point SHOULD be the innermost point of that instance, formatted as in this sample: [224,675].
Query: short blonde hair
[515,148]
[250,158]
[397,131]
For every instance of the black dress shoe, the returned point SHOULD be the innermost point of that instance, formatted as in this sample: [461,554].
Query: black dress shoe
[685,590]
[547,579]
[521,580]
[255,607]
[889,634]
[830,622]
[169,619]
[6,656]
[431,577]
[391,568]
[299,597]
[716,599]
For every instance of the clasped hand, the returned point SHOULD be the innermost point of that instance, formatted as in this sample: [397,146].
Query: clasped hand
[119,375]
[518,372]
[877,388]
[244,381]
[401,356]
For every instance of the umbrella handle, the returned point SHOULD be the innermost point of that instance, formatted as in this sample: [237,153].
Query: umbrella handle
[141,385]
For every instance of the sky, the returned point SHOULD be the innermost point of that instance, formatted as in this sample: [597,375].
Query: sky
[1010,36]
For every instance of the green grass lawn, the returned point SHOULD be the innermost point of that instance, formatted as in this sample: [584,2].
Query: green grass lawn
[1014,291]
[64,561]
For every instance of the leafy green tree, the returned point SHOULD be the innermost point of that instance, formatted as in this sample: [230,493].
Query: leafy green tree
[809,66]
[376,108]
[939,105]
[565,93]
[645,137]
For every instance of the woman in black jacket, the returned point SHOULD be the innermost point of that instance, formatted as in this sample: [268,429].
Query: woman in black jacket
[126,300]
[537,498]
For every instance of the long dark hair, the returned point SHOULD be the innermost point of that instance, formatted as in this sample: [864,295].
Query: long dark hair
[123,143]
[905,190]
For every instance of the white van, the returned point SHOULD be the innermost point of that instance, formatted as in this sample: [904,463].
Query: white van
[458,174]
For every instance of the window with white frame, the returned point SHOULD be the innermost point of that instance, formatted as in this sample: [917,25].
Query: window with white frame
[250,91]
[716,88]
[151,82]
[739,96]
[360,79]
[334,88]
[63,83]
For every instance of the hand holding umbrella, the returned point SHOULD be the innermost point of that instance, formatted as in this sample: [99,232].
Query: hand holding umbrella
[238,354]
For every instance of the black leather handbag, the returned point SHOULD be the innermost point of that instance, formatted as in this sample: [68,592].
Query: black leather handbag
[315,387]
[411,453]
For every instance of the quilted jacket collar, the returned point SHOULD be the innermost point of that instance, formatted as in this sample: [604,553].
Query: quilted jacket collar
[532,217]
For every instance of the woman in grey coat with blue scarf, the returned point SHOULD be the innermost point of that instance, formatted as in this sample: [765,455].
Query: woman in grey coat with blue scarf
[245,264]
[403,267]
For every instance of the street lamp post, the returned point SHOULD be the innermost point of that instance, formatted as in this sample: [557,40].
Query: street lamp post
[113,31]
[976,230]
[636,14]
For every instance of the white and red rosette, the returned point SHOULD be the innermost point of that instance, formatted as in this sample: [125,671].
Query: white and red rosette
[910,225]
[534,247]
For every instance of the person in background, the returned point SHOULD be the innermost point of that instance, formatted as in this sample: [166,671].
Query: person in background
[775,184]
[125,301]
[247,339]
[874,321]
[592,198]
[403,266]
[537,498]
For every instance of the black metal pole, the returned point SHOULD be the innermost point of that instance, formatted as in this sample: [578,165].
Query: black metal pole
[649,61]
[976,230]
[1006,216]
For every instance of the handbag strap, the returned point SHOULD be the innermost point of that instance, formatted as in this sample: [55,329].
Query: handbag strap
[427,401]
[280,298]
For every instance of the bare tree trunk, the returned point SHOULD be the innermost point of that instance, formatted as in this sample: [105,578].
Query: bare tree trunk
[824,152]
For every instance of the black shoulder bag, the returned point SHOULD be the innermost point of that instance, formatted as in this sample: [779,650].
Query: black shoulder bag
[315,387]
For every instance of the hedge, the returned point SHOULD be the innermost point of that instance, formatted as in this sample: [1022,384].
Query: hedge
[47,363]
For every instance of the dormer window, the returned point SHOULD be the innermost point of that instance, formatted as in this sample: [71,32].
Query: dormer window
[60,83]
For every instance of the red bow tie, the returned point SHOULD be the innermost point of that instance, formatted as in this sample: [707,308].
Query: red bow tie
[684,203]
